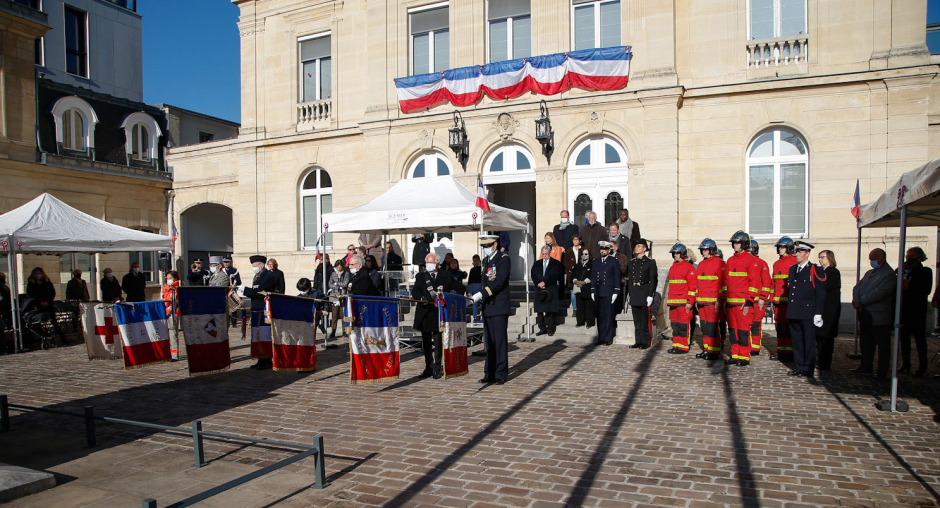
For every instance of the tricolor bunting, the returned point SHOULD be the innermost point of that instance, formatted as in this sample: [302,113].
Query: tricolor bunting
[294,336]
[144,334]
[592,69]
[373,339]
[102,335]
[205,328]
[261,333]
[452,311]
[482,202]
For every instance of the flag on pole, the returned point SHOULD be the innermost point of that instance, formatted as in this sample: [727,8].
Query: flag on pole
[482,202]
[261,333]
[856,202]
[102,335]
[452,311]
[294,335]
[144,335]
[373,339]
[175,232]
[205,328]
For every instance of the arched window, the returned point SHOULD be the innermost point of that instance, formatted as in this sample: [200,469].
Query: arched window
[509,163]
[141,134]
[75,122]
[140,143]
[613,203]
[428,165]
[777,184]
[316,199]
[598,175]
[73,135]
[582,205]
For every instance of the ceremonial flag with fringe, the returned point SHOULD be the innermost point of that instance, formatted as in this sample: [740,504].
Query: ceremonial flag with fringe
[294,336]
[102,335]
[451,310]
[372,322]
[204,320]
[261,333]
[144,334]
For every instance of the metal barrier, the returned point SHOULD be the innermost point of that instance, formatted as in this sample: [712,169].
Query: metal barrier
[198,450]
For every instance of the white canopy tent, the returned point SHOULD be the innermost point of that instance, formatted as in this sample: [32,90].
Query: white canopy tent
[914,200]
[429,205]
[47,225]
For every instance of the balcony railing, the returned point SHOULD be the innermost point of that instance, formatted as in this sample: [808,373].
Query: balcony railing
[314,114]
[778,51]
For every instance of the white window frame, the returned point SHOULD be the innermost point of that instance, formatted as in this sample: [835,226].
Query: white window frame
[300,92]
[777,19]
[429,158]
[509,35]
[89,120]
[597,20]
[411,37]
[776,161]
[153,133]
[598,179]
[319,192]
[510,173]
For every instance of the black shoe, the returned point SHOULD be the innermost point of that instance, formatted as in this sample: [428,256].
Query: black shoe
[609,343]
[500,381]
[807,373]
[438,375]
[645,346]
[426,374]
[486,380]
[479,353]
[860,372]
[588,327]
[703,354]
[919,372]
[743,363]
[263,365]
[550,334]
[755,353]
[731,361]
[540,332]
[904,368]
[333,335]
[793,373]
[636,346]
[773,358]
[710,357]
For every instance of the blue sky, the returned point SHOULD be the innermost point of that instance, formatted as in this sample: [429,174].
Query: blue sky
[191,55]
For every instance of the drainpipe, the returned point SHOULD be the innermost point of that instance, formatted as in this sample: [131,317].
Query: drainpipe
[170,194]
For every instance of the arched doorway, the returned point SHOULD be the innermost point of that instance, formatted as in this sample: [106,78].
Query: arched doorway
[207,231]
[509,177]
[431,165]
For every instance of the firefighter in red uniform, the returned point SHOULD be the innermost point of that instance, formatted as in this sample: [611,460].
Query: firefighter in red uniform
[723,309]
[781,277]
[710,298]
[683,282]
[743,294]
[765,294]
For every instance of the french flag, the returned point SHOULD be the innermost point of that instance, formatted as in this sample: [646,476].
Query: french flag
[482,202]
[144,335]
[452,313]
[203,315]
[293,335]
[373,338]
[592,69]
[856,202]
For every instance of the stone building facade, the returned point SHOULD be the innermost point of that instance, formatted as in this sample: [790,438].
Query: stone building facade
[749,114]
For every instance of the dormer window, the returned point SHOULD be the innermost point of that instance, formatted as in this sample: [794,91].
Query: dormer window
[142,136]
[75,122]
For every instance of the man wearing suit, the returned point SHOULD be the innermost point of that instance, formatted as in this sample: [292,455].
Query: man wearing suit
[546,274]
[806,301]
[263,282]
[495,297]
[435,279]
[360,283]
[421,249]
[605,291]
[642,278]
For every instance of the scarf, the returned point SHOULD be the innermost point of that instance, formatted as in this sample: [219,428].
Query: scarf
[626,228]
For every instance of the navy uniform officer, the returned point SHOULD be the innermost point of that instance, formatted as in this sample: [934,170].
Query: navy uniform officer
[605,291]
[807,299]
[428,283]
[642,278]
[495,298]
[263,282]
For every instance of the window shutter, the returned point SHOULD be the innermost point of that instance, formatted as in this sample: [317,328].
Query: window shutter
[315,48]
[501,9]
[432,20]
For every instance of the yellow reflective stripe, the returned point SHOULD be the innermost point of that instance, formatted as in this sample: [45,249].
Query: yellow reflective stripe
[707,277]
[692,293]
[678,281]
[767,289]
[782,276]
[738,274]
[736,300]
[707,300]
[781,299]
[784,348]
[676,301]
[724,288]
[713,348]
[752,289]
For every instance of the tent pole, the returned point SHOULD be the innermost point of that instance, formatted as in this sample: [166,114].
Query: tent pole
[528,328]
[329,307]
[15,301]
[936,321]
[858,269]
[894,405]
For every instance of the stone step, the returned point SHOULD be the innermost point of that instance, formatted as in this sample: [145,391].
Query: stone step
[17,482]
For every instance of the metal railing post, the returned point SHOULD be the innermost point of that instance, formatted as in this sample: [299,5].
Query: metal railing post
[4,414]
[90,440]
[197,443]
[150,503]
[320,467]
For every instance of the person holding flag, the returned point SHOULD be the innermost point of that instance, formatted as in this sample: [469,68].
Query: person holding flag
[428,285]
[263,282]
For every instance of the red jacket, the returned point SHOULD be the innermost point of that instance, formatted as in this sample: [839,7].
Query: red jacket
[743,279]
[169,292]
[683,283]
[781,275]
[712,280]
[766,289]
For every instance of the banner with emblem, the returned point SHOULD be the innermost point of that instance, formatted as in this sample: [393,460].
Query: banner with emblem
[204,321]
[145,338]
[372,322]
[261,332]
[293,335]
[452,312]
[102,335]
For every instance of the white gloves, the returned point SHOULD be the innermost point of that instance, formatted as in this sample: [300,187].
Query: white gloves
[649,301]
[817,320]
[613,298]
[241,289]
[587,281]
[592,297]
[336,303]
[477,297]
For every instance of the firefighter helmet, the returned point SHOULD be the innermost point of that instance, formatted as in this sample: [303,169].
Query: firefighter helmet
[787,242]
[709,245]
[755,248]
[680,249]
[743,238]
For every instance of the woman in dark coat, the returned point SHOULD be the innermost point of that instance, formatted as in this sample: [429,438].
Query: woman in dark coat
[826,335]
[280,284]
[581,278]
[915,292]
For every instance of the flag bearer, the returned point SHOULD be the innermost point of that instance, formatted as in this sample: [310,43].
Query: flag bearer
[683,281]
[263,282]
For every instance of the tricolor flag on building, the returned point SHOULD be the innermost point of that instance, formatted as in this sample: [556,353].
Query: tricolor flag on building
[452,311]
[482,202]
[856,202]
[373,338]
[102,335]
[205,328]
[293,337]
[144,334]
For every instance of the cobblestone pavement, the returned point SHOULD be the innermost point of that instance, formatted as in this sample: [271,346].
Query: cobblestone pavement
[574,426]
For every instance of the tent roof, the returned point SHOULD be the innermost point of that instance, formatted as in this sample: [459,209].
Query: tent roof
[46,224]
[919,189]
[434,204]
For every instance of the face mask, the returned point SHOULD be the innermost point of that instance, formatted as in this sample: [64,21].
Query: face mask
[874,264]
[214,269]
[564,220]
[256,269]
[135,271]
[487,252]
[585,258]
[354,271]
[38,278]
[109,275]
[432,267]
[169,281]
